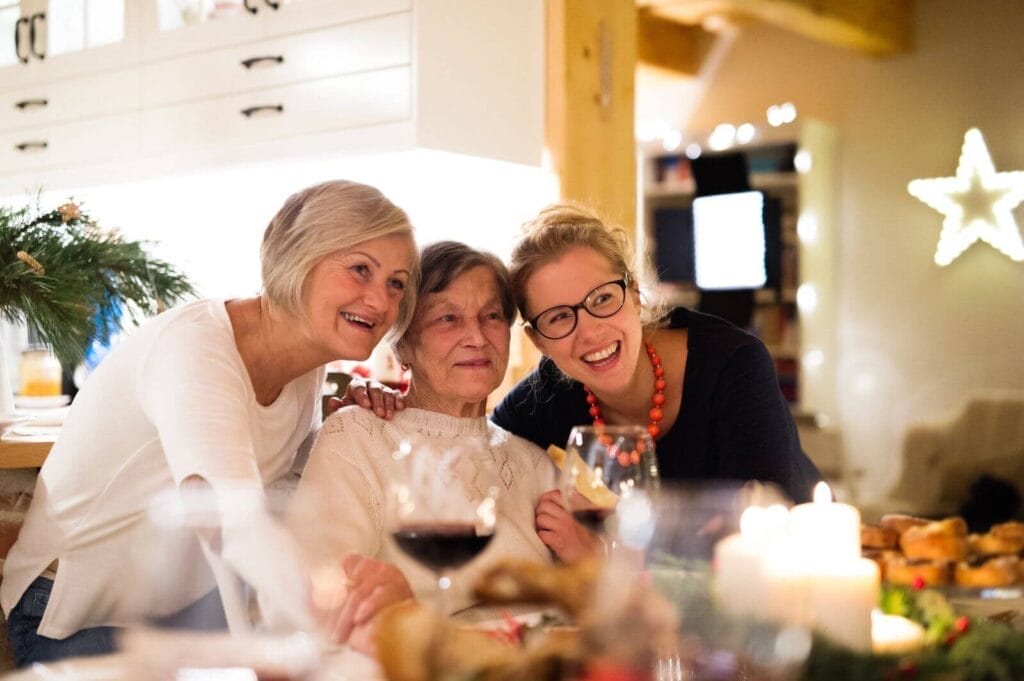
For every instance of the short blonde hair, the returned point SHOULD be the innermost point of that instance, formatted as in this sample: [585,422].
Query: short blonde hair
[562,226]
[319,221]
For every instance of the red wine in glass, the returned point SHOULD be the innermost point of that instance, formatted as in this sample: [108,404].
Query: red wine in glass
[441,547]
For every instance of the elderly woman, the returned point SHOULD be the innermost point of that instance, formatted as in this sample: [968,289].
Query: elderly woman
[456,349]
[214,394]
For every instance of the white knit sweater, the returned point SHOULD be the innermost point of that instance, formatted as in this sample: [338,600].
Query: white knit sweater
[344,488]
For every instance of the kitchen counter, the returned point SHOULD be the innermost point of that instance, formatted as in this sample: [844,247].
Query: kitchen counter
[24,451]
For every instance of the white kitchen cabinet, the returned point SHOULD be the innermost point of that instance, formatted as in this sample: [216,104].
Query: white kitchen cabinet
[54,39]
[316,77]
[324,105]
[68,145]
[177,27]
[104,93]
[376,43]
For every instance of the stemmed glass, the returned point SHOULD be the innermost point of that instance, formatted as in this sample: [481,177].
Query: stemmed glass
[603,466]
[436,514]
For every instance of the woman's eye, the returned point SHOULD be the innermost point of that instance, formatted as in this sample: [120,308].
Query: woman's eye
[494,317]
[360,270]
[602,299]
[448,318]
[397,284]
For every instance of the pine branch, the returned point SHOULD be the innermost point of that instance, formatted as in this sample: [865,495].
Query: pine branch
[72,282]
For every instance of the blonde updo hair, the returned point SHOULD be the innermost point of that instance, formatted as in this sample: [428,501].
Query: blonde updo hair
[560,227]
[321,220]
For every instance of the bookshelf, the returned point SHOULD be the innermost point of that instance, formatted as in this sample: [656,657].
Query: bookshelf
[805,262]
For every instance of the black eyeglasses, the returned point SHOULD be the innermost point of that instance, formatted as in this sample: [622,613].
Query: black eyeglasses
[602,301]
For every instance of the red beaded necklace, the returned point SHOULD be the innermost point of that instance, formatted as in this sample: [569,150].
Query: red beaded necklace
[656,413]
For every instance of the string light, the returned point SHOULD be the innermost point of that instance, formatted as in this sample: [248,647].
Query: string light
[977,202]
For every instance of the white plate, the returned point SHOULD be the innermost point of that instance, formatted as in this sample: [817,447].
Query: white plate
[43,402]
[7,421]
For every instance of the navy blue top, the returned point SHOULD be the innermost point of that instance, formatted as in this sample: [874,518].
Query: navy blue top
[733,422]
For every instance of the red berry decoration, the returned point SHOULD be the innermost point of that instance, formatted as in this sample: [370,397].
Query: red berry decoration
[962,624]
[918,583]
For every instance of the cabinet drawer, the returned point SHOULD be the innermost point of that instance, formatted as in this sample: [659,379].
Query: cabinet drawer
[71,144]
[302,15]
[76,99]
[349,48]
[337,103]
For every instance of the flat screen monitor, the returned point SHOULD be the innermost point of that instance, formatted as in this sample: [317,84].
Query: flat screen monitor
[729,241]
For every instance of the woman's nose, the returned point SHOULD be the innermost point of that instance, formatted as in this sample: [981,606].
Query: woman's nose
[474,333]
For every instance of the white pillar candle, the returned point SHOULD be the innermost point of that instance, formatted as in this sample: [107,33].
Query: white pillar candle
[895,635]
[841,598]
[740,561]
[823,531]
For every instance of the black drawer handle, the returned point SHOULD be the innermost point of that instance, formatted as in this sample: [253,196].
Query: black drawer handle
[17,38]
[266,60]
[38,145]
[262,110]
[31,103]
[273,4]
[249,8]
[32,34]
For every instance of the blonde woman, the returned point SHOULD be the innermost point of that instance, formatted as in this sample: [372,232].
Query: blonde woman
[214,394]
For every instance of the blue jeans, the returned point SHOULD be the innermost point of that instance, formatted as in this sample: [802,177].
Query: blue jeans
[28,646]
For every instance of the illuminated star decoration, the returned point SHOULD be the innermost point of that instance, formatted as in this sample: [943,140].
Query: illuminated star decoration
[977,202]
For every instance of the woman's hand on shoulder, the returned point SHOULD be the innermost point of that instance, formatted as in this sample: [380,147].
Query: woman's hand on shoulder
[372,586]
[560,532]
[368,394]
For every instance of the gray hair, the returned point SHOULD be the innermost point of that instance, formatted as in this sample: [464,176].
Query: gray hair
[319,221]
[442,263]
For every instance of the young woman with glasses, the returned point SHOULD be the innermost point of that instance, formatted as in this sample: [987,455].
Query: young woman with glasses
[706,390]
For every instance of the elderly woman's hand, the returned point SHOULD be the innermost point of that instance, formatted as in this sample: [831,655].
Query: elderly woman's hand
[560,532]
[372,585]
[368,394]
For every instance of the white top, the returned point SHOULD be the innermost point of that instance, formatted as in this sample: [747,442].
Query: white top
[344,488]
[172,401]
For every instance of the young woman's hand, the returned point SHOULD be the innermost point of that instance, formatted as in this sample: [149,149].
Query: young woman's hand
[560,532]
[368,394]
[372,585]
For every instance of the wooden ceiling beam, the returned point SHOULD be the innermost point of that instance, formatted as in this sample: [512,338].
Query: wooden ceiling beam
[669,47]
[877,27]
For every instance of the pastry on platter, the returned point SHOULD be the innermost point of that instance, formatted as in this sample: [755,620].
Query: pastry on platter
[992,544]
[910,572]
[881,558]
[901,523]
[994,572]
[1011,530]
[940,540]
[879,537]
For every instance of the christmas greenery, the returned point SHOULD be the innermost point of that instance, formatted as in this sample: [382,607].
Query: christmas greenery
[71,281]
[957,648]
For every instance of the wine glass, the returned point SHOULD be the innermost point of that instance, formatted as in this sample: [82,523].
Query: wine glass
[603,466]
[440,511]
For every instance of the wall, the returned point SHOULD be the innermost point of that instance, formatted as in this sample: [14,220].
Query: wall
[914,339]
[211,223]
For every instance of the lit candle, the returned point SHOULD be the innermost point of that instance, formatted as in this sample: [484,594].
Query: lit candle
[840,587]
[741,559]
[895,635]
[823,531]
